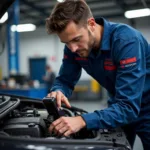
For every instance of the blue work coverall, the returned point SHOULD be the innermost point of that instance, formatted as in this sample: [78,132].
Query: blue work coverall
[122,66]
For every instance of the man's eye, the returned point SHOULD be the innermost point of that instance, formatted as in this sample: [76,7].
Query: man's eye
[77,39]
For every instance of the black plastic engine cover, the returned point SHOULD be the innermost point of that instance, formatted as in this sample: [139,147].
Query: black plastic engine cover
[25,126]
[23,130]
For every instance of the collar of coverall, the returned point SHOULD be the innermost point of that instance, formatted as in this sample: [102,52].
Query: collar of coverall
[105,42]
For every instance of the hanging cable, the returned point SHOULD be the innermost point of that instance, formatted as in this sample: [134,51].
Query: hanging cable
[144,3]
[3,35]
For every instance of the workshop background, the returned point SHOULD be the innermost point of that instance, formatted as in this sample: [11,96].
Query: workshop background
[24,54]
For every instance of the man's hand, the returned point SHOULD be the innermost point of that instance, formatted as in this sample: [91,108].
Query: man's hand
[60,97]
[67,125]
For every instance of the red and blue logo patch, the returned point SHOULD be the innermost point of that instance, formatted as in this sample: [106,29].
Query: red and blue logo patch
[129,62]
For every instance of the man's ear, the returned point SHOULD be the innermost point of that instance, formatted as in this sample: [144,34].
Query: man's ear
[91,23]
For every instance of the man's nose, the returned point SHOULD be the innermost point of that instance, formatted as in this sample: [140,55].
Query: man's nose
[73,47]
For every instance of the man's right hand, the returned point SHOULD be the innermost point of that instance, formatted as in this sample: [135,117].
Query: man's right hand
[60,98]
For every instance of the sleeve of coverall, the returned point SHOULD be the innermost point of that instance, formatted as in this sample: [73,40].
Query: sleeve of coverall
[69,74]
[131,67]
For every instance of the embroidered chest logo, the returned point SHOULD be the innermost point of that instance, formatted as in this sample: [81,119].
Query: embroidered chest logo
[82,61]
[109,65]
[128,62]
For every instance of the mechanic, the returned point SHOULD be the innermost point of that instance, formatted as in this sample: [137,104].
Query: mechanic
[114,54]
[49,77]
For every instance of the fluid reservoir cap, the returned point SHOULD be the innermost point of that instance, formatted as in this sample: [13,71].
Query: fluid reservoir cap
[30,125]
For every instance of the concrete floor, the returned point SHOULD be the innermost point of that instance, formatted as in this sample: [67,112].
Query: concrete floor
[90,106]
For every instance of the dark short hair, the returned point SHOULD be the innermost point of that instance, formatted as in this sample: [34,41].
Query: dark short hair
[64,12]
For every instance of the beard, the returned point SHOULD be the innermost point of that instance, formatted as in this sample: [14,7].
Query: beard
[83,53]
[90,45]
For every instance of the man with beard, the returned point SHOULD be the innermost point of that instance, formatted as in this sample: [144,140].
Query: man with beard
[117,56]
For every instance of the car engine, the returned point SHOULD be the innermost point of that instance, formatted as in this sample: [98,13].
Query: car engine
[29,118]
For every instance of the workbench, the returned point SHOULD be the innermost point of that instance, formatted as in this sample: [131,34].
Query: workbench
[39,92]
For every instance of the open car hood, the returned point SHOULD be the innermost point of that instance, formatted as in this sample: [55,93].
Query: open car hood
[4,5]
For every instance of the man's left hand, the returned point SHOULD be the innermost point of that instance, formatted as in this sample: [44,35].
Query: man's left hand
[67,125]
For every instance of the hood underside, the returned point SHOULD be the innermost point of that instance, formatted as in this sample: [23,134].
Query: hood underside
[4,5]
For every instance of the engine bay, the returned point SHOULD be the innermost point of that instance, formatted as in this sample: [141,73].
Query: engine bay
[28,118]
[25,118]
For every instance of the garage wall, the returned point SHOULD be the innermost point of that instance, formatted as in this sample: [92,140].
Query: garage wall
[40,44]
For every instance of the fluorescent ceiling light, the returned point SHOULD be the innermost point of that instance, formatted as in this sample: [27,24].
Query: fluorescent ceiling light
[4,18]
[23,28]
[60,0]
[137,13]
